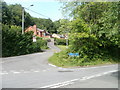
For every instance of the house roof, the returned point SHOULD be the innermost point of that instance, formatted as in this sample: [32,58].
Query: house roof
[32,28]
[40,30]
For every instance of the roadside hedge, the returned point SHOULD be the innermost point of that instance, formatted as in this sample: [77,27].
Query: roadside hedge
[58,41]
[42,42]
[14,43]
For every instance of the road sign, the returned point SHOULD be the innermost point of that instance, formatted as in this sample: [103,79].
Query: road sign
[73,54]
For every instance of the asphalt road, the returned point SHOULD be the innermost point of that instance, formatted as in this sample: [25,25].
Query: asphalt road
[34,71]
[105,81]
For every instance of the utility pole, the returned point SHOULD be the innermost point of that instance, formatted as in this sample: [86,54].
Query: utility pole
[23,20]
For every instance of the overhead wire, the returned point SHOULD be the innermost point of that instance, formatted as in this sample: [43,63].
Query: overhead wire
[34,11]
[37,13]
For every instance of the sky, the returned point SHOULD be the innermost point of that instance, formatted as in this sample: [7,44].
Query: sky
[49,8]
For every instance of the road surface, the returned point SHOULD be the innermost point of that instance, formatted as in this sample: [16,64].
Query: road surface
[34,71]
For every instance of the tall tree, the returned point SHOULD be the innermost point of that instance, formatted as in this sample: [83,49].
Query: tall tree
[16,16]
[6,15]
[95,26]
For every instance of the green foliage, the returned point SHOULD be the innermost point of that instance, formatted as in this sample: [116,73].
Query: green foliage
[84,44]
[64,27]
[6,15]
[59,59]
[110,25]
[78,25]
[14,43]
[58,41]
[57,25]
[12,15]
[45,24]
[63,60]
[42,43]
[94,28]
[94,34]
[62,47]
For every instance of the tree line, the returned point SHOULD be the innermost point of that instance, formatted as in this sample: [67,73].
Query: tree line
[12,15]
[12,38]
[15,43]
[95,27]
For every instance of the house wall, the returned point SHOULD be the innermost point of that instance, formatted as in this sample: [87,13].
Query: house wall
[36,32]
[55,36]
[35,29]
[32,28]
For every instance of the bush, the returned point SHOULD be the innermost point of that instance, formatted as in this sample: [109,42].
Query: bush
[14,43]
[84,44]
[59,41]
[90,50]
[62,59]
[42,43]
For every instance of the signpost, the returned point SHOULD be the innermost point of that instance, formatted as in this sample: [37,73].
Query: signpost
[34,39]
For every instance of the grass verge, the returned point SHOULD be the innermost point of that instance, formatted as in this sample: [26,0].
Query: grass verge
[62,47]
[62,59]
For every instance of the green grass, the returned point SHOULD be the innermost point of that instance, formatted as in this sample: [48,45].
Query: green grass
[44,47]
[63,60]
[62,47]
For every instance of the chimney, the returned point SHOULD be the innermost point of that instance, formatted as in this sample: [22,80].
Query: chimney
[35,29]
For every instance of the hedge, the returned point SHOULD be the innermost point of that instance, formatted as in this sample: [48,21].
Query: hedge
[58,41]
[14,43]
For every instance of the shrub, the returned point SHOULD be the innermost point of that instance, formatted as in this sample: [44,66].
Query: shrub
[42,43]
[14,43]
[59,41]
[84,44]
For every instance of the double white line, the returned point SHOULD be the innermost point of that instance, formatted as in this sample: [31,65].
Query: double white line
[60,84]
[74,80]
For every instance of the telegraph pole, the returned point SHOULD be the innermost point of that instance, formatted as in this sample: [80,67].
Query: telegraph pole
[23,20]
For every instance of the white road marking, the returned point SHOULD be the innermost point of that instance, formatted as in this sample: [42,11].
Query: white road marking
[36,71]
[44,70]
[3,73]
[21,71]
[26,72]
[62,85]
[93,67]
[32,70]
[16,72]
[52,65]
[101,66]
[81,68]
[98,75]
[79,79]
[59,84]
